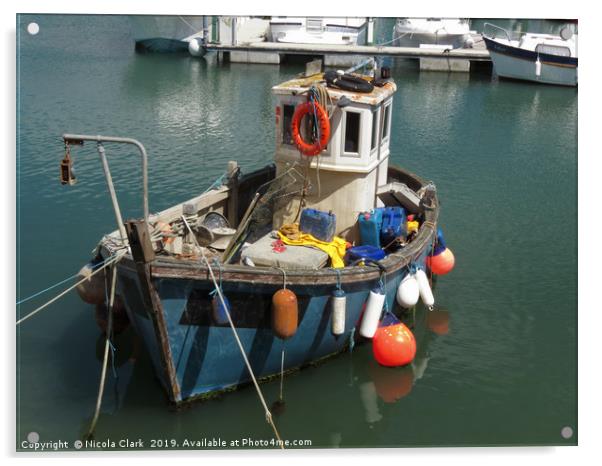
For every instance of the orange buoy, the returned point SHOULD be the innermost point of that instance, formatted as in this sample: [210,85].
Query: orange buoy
[438,321]
[394,345]
[442,263]
[285,313]
[316,109]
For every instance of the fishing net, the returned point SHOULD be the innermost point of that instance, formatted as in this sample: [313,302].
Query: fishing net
[269,199]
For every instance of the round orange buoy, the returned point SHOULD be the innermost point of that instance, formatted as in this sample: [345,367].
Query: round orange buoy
[285,313]
[316,109]
[441,263]
[438,322]
[391,383]
[394,345]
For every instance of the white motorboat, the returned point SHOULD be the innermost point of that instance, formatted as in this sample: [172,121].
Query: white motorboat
[318,30]
[412,32]
[544,58]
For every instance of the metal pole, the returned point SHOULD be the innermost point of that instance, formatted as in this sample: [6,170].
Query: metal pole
[370,31]
[233,23]
[105,167]
[138,144]
[205,30]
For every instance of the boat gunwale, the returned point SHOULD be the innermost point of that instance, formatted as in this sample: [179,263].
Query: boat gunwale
[174,268]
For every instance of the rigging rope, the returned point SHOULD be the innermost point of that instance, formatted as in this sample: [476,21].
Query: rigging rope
[268,414]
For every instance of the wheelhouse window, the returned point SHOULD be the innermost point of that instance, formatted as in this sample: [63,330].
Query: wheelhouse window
[352,132]
[387,116]
[374,129]
[287,118]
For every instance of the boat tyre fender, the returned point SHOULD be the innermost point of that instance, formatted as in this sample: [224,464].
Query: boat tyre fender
[347,82]
[317,146]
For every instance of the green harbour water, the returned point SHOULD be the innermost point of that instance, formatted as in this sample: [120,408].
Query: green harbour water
[503,155]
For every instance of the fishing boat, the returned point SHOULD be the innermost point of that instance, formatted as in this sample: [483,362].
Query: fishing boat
[413,32]
[543,58]
[318,30]
[333,145]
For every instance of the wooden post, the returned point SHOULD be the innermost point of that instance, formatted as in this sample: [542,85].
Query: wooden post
[140,243]
[233,172]
[143,254]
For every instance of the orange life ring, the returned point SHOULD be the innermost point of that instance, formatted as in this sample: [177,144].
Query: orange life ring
[323,124]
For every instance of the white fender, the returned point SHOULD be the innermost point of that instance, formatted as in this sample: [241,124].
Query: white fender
[374,307]
[426,294]
[339,304]
[408,291]
[195,48]
[537,67]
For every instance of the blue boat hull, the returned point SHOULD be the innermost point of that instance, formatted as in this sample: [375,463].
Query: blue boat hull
[205,357]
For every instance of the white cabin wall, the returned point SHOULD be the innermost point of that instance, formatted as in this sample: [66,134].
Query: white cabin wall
[342,182]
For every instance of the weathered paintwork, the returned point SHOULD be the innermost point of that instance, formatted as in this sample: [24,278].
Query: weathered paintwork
[169,305]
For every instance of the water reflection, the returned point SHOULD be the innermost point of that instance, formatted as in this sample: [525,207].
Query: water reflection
[364,390]
[392,384]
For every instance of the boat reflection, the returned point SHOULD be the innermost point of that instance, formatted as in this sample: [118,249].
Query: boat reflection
[353,383]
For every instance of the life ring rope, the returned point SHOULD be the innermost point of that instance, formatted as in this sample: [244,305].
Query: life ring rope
[323,125]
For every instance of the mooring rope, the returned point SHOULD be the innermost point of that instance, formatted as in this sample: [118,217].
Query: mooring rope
[103,373]
[108,262]
[268,414]
[57,284]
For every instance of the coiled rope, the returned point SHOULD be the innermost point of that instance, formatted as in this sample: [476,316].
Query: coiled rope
[268,414]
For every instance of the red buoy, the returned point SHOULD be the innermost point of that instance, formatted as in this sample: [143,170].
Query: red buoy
[394,345]
[441,263]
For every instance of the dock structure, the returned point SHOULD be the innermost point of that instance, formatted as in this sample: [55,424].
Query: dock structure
[432,57]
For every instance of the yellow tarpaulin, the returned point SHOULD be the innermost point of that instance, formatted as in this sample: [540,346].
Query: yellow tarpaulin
[335,249]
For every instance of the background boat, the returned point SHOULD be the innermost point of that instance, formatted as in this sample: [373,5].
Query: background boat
[411,32]
[543,58]
[318,30]
[174,33]
[165,33]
